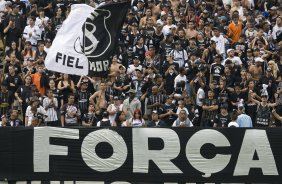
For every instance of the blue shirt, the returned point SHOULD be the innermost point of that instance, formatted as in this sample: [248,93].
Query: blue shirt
[244,120]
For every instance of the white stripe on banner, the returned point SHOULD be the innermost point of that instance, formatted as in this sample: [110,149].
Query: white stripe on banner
[62,56]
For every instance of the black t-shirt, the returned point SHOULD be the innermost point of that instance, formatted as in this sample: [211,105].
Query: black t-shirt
[16,80]
[90,118]
[25,93]
[18,69]
[13,35]
[217,70]
[166,108]
[221,120]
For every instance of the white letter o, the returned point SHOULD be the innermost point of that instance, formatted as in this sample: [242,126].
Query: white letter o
[100,164]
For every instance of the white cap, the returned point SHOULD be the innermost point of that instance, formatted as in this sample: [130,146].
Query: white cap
[259,59]
[233,124]
[163,13]
[229,50]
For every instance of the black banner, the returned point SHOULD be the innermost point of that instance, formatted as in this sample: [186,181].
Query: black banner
[141,154]
[100,36]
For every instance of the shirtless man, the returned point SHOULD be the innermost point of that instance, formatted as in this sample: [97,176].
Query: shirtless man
[99,98]
[114,69]
[148,14]
[256,69]
[190,31]
[156,10]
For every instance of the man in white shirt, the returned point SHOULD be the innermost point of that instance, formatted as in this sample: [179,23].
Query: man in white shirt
[32,33]
[235,59]
[220,41]
[167,28]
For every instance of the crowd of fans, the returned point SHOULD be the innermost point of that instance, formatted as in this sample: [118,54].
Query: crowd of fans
[207,63]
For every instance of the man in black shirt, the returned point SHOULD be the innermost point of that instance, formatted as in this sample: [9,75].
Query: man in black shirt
[13,80]
[168,111]
[13,34]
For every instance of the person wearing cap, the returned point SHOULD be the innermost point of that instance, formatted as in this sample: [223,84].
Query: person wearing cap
[122,83]
[235,28]
[221,40]
[35,110]
[105,121]
[179,54]
[130,104]
[235,59]
[256,69]
[155,121]
[135,65]
[223,118]
[263,109]
[113,108]
[82,95]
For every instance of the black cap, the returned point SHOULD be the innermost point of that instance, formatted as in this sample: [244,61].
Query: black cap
[105,114]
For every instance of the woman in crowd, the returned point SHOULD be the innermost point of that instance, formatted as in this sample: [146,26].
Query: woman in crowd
[136,120]
[66,87]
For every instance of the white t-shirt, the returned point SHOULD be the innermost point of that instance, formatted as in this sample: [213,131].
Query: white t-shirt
[180,78]
[235,60]
[220,43]
[200,97]
[167,28]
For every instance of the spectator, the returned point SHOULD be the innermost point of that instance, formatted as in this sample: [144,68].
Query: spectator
[105,122]
[136,120]
[89,119]
[50,103]
[131,104]
[35,113]
[70,113]
[156,122]
[243,119]
[182,120]
[32,33]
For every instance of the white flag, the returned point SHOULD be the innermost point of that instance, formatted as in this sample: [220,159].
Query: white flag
[62,56]
[87,39]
